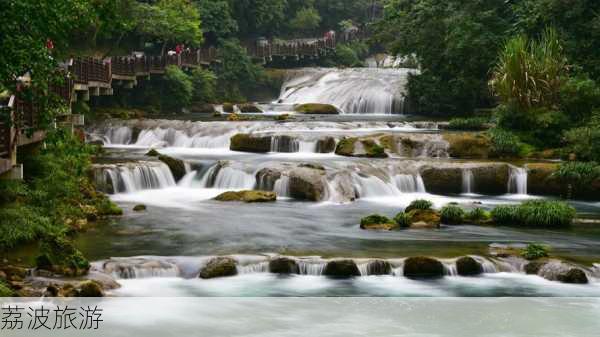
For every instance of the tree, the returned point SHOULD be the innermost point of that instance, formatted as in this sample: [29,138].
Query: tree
[177,90]
[237,72]
[258,17]
[217,22]
[205,83]
[169,21]
[456,43]
[306,20]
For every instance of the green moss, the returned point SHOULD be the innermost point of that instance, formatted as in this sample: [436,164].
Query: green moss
[468,145]
[537,213]
[403,220]
[534,251]
[58,254]
[316,109]
[452,215]
[419,204]
[376,221]
[5,291]
[248,196]
[106,208]
[247,143]
[468,124]
[345,147]
[373,150]
[139,208]
[176,166]
[427,216]
[478,216]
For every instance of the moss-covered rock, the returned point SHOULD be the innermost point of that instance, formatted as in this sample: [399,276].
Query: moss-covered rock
[283,265]
[204,108]
[139,208]
[533,267]
[106,207]
[88,289]
[228,107]
[326,145]
[468,266]
[423,267]
[176,166]
[247,196]
[468,145]
[307,184]
[345,146]
[427,217]
[373,150]
[249,108]
[244,142]
[540,181]
[57,254]
[379,267]
[152,153]
[489,178]
[316,109]
[5,290]
[355,147]
[378,222]
[442,180]
[341,269]
[219,267]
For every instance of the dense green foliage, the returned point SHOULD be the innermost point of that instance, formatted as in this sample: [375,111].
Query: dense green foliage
[178,89]
[375,219]
[478,215]
[452,215]
[403,219]
[237,72]
[204,85]
[468,124]
[421,204]
[542,214]
[505,143]
[55,196]
[534,251]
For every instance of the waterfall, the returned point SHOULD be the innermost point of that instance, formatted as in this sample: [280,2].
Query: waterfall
[187,180]
[253,268]
[409,183]
[227,178]
[353,91]
[311,267]
[284,144]
[139,268]
[282,186]
[517,181]
[468,181]
[120,135]
[133,177]
[373,186]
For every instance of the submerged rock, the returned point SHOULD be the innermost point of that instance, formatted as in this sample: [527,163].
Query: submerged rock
[468,266]
[219,267]
[176,166]
[283,265]
[247,196]
[307,184]
[316,109]
[244,142]
[139,208]
[341,269]
[574,276]
[379,267]
[423,267]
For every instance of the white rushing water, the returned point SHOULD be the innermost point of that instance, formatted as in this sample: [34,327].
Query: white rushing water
[133,177]
[468,181]
[517,182]
[353,91]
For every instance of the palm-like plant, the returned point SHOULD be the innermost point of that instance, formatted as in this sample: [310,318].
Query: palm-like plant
[529,74]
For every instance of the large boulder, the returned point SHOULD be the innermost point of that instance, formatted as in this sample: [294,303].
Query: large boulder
[83,289]
[488,178]
[283,265]
[341,269]
[266,178]
[360,147]
[379,267]
[555,270]
[244,142]
[249,108]
[424,218]
[469,145]
[442,180]
[423,267]
[326,145]
[247,196]
[219,267]
[307,184]
[491,178]
[468,266]
[176,166]
[316,109]
[204,108]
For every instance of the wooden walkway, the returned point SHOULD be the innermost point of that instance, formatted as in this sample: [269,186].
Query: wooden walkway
[88,76]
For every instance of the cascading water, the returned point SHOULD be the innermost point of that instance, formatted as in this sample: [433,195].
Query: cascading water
[133,177]
[120,135]
[282,186]
[409,183]
[468,181]
[517,181]
[354,91]
[225,177]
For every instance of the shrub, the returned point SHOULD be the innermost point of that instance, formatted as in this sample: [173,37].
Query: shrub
[5,291]
[20,223]
[478,215]
[204,85]
[177,89]
[403,220]
[504,143]
[346,56]
[452,215]
[534,251]
[584,142]
[419,204]
[537,213]
[468,124]
[579,96]
[577,174]
[375,219]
